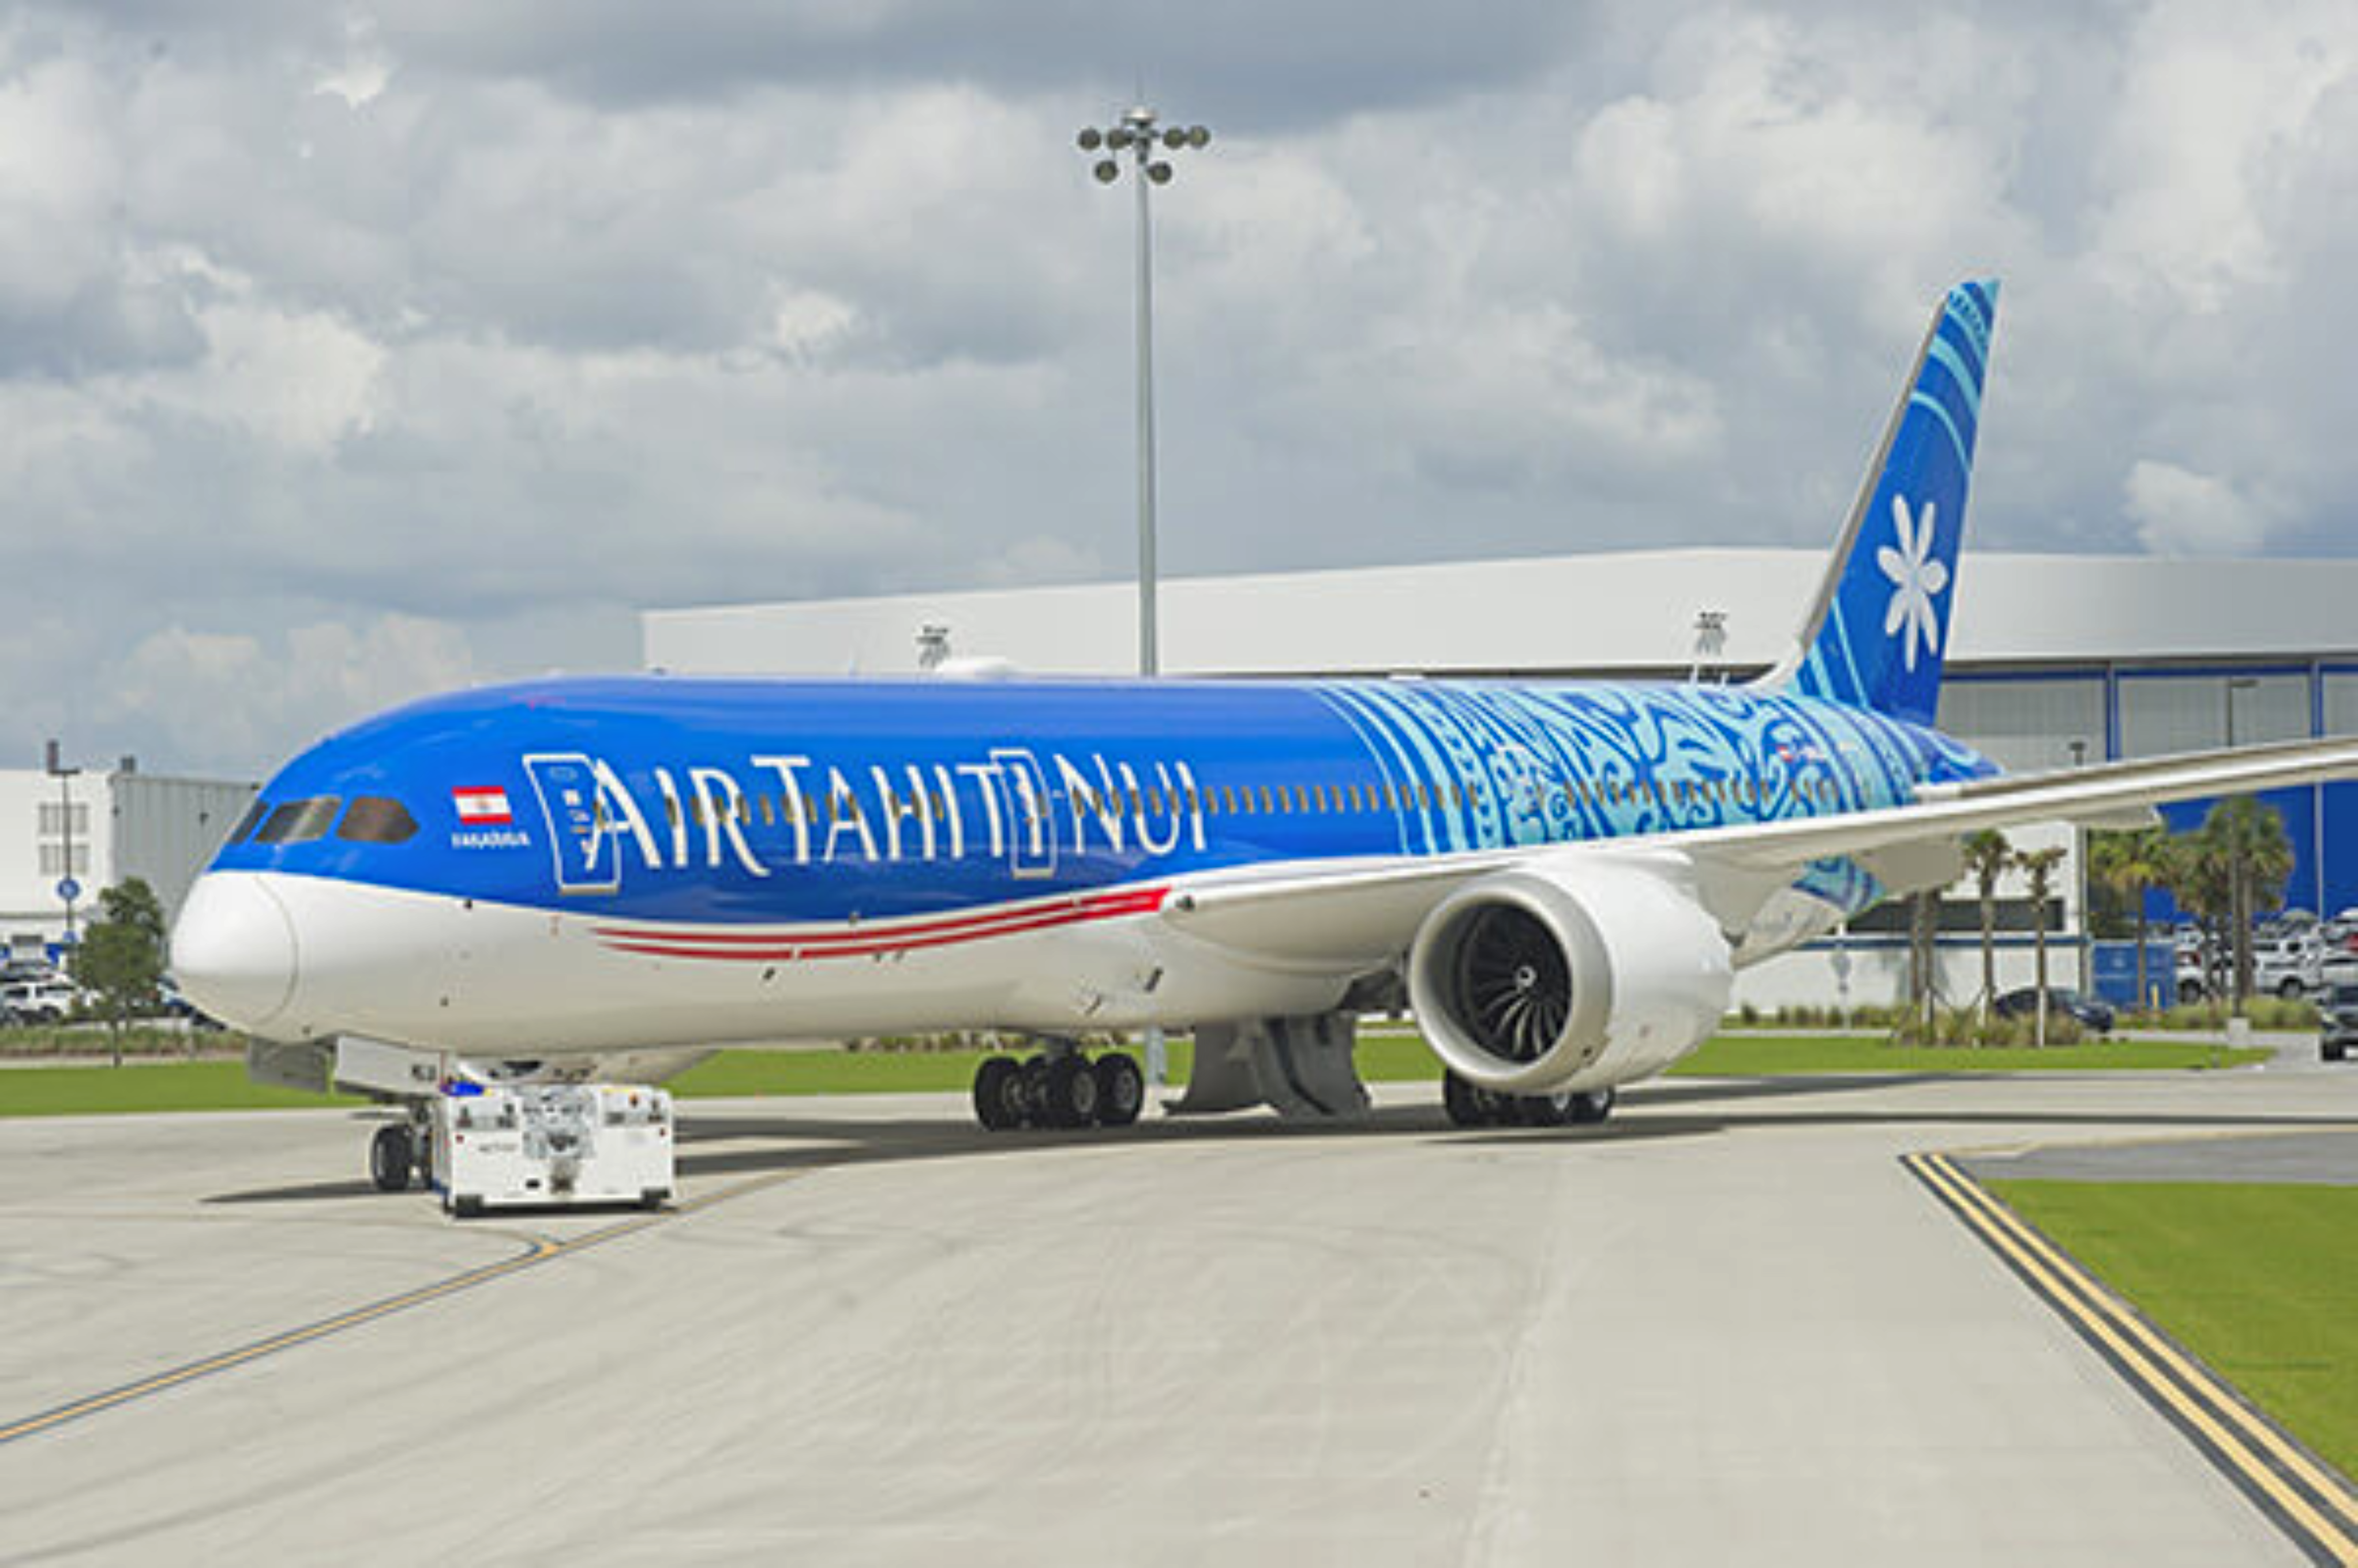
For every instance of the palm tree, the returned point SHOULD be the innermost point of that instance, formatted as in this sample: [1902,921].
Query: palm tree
[1987,854]
[2128,865]
[2038,866]
[2249,840]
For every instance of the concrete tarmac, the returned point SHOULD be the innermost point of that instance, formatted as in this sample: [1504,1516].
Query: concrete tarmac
[1725,1328]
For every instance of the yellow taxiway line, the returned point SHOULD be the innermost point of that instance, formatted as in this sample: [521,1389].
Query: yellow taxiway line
[2316,1507]
[543,1249]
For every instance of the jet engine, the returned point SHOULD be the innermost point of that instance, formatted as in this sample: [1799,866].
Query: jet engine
[1540,980]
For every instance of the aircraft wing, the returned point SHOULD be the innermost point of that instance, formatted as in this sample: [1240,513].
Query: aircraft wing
[1367,911]
[2108,796]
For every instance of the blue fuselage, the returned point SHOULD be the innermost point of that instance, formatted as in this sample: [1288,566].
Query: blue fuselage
[720,802]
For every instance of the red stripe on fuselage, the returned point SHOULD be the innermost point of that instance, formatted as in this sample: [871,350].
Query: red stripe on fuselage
[898,937]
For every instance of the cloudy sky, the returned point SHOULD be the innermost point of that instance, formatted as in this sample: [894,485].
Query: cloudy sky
[350,353]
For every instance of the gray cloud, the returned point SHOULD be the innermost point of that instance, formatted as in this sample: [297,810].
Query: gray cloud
[342,354]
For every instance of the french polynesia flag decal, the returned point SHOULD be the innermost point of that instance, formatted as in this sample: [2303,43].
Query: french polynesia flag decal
[483,807]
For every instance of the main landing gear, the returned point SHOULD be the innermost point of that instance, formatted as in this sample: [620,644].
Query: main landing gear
[1471,1105]
[1058,1090]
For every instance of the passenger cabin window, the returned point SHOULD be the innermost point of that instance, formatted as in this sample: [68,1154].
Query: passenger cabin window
[299,821]
[377,819]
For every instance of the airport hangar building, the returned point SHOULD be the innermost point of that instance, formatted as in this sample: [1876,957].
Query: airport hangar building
[2051,660]
[93,829]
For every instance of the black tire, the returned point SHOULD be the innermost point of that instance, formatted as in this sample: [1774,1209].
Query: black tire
[1463,1101]
[2332,1053]
[391,1158]
[2290,990]
[1589,1108]
[1121,1089]
[1000,1102]
[1069,1097]
[1545,1110]
[2188,993]
[467,1209]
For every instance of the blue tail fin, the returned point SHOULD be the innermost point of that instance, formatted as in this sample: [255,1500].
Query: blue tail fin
[1879,625]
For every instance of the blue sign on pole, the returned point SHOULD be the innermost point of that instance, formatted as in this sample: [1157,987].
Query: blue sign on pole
[69,890]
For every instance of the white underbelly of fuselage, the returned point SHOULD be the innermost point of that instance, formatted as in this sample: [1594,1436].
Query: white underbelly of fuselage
[468,976]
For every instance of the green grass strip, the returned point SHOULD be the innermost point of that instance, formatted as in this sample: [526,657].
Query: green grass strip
[146,1085]
[1383,1059]
[1385,1056]
[2260,1281]
[1773,1055]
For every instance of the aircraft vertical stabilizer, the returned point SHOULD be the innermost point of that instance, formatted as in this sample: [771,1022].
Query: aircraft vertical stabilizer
[1878,628]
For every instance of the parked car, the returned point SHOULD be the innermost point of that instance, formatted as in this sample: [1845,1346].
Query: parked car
[2087,1011]
[2337,1028]
[41,1002]
[175,1004]
[2291,962]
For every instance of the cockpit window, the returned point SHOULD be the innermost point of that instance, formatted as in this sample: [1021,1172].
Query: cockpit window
[299,821]
[377,819]
[253,814]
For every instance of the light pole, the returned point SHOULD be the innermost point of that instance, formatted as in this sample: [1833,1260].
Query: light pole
[67,888]
[2080,871]
[2239,913]
[1138,134]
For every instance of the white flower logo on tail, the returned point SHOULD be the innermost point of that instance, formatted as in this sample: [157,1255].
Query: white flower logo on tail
[1916,581]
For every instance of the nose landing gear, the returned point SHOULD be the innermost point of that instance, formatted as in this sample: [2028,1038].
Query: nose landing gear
[1058,1088]
[399,1151]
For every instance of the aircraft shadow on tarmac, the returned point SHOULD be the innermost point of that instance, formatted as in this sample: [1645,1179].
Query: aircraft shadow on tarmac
[741,1141]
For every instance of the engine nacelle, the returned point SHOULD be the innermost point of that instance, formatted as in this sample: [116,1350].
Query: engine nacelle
[1537,981]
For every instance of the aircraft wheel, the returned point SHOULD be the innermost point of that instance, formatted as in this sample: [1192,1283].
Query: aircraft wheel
[1594,1107]
[390,1157]
[1071,1098]
[1546,1110]
[1121,1089]
[1466,1105]
[1000,1102]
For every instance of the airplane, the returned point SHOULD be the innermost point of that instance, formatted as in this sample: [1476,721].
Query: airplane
[615,876]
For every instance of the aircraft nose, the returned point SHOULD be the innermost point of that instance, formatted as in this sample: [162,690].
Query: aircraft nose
[233,949]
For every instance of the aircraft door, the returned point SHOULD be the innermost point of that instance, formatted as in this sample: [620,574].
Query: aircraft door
[589,852]
[1031,824]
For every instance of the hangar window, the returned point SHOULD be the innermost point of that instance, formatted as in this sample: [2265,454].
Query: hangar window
[377,819]
[299,821]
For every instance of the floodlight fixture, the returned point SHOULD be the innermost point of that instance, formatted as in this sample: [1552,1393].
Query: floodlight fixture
[1091,139]
[1108,171]
[1159,172]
